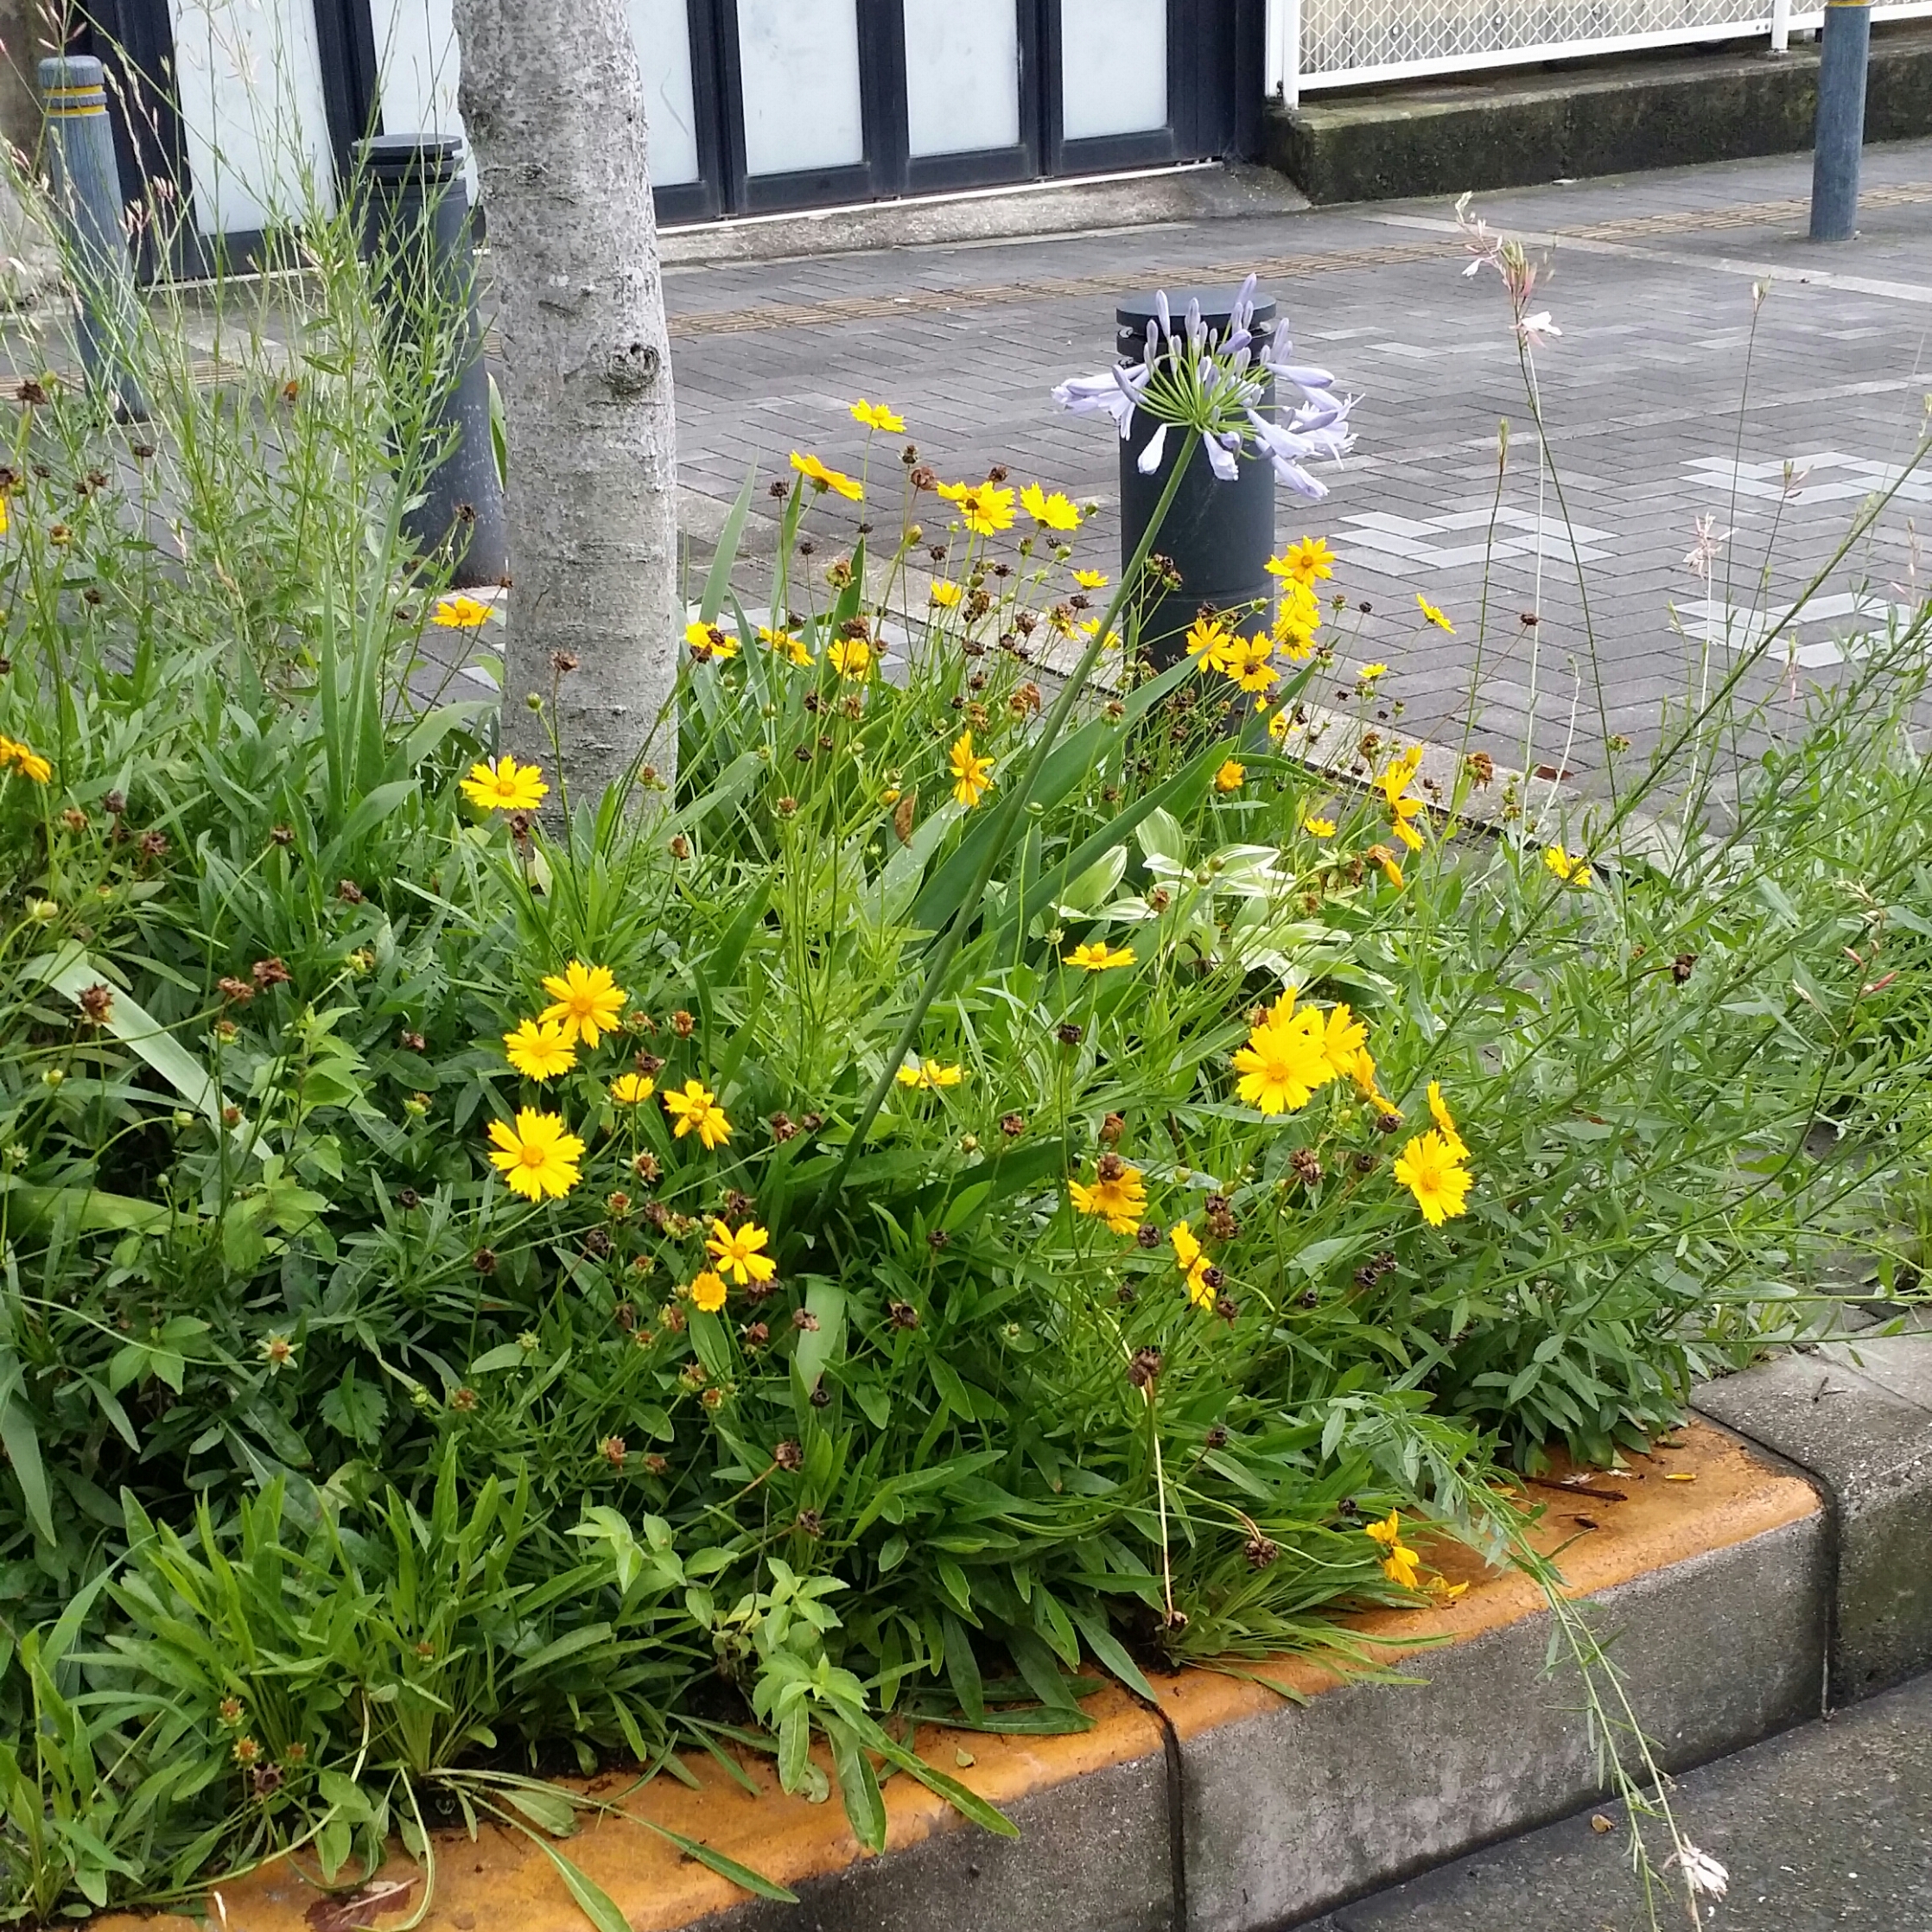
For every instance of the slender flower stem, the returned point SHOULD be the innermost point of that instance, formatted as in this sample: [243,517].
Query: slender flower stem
[1009,811]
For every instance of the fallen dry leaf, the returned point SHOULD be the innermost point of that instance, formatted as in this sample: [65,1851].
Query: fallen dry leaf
[354,1911]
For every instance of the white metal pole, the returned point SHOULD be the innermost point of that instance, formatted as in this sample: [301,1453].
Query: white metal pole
[1275,63]
[1291,53]
[1781,26]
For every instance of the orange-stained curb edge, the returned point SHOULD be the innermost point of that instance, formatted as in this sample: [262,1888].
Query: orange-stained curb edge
[502,1884]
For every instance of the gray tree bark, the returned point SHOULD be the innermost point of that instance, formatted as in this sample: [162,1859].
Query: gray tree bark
[552,97]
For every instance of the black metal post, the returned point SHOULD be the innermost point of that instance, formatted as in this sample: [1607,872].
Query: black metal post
[417,234]
[1842,62]
[86,183]
[1218,536]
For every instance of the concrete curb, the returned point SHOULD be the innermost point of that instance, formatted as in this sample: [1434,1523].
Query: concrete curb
[1709,1571]
[1517,129]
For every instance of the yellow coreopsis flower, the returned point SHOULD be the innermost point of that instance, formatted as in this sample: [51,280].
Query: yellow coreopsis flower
[820,477]
[1343,1038]
[1391,868]
[1433,615]
[930,1074]
[1208,642]
[983,507]
[1090,580]
[1446,1123]
[850,657]
[1050,513]
[585,1001]
[539,1048]
[944,594]
[707,1292]
[739,1252]
[695,1108]
[16,756]
[1571,867]
[972,775]
[1117,1197]
[1305,563]
[1245,661]
[506,785]
[536,1156]
[633,1090]
[1283,1064]
[1398,1565]
[1368,673]
[785,643]
[1318,828]
[1193,1263]
[1231,776]
[459,613]
[876,416]
[1095,955]
[1363,1074]
[706,640]
[1433,1175]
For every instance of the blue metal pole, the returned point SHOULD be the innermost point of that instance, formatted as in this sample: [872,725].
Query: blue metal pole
[1840,139]
[85,182]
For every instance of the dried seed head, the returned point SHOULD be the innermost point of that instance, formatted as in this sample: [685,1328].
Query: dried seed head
[1111,1130]
[782,1129]
[1013,1125]
[1260,1552]
[484,1260]
[1145,1367]
[1110,1166]
[1307,1168]
[1147,1235]
[1682,967]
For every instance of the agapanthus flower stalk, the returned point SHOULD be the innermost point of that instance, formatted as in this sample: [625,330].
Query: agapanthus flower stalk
[1216,385]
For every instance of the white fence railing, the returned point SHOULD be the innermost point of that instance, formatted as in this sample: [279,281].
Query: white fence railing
[1356,43]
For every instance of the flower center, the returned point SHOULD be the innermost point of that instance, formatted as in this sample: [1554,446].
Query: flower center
[531,1155]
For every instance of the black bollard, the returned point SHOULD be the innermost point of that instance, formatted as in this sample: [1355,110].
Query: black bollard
[1218,536]
[1839,147]
[416,234]
[86,183]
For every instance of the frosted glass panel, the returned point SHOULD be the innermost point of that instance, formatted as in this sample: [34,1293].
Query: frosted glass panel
[662,30]
[416,59]
[248,80]
[1113,67]
[799,63]
[962,76]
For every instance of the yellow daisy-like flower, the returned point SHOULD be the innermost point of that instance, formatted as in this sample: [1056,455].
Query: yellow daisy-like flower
[786,644]
[1398,1565]
[1306,562]
[1208,642]
[1090,628]
[1095,955]
[1283,1063]
[1232,777]
[539,1048]
[1279,725]
[739,1252]
[506,785]
[1446,1123]
[983,507]
[820,477]
[1090,580]
[1363,1074]
[1435,616]
[944,594]
[1245,662]
[876,416]
[695,1108]
[1571,867]
[1050,513]
[1368,673]
[930,1074]
[1433,1175]
[1119,1198]
[706,640]
[459,613]
[1391,866]
[707,1292]
[17,757]
[1343,1038]
[1318,828]
[972,775]
[586,1000]
[536,1156]
[633,1090]
[1193,1263]
[850,657]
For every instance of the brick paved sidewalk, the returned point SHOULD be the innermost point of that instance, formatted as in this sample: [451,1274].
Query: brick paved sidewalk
[1652,423]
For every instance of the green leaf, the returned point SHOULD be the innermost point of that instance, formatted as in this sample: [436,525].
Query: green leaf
[858,1783]
[817,1348]
[718,582]
[22,1444]
[549,1810]
[741,1875]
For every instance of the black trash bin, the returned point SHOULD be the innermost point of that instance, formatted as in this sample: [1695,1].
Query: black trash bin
[1218,536]
[413,179]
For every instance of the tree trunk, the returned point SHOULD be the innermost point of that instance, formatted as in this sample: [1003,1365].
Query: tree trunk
[554,103]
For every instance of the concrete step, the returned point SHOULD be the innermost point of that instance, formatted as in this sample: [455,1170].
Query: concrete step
[1516,127]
